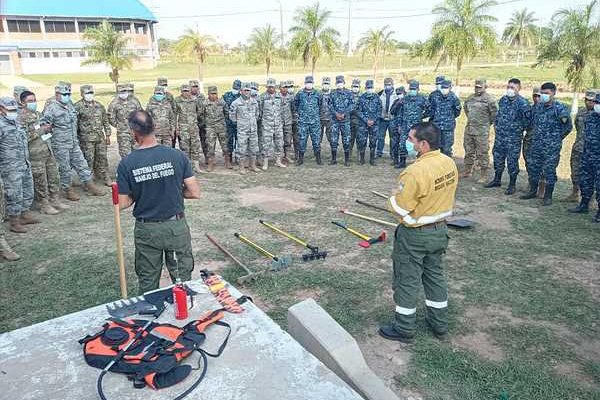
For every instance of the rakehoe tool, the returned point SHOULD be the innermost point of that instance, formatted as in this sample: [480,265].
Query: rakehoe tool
[314,254]
[372,219]
[277,263]
[250,275]
[366,240]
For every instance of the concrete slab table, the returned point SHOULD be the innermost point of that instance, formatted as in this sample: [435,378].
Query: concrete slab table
[261,361]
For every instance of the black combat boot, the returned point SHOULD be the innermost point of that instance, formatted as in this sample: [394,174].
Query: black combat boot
[401,162]
[318,157]
[582,208]
[346,159]
[300,158]
[548,195]
[596,218]
[512,186]
[372,157]
[533,188]
[496,182]
[333,157]
[361,157]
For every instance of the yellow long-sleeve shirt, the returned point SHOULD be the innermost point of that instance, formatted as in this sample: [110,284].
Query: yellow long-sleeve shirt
[426,190]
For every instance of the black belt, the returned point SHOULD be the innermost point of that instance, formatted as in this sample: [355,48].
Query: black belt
[175,217]
[431,227]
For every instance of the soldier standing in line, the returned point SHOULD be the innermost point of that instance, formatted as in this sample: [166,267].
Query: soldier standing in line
[535,97]
[369,112]
[119,109]
[214,113]
[354,119]
[229,97]
[162,114]
[244,113]
[6,252]
[394,125]
[186,125]
[136,102]
[307,104]
[93,132]
[287,121]
[271,125]
[325,115]
[341,105]
[445,108]
[388,97]
[295,139]
[481,110]
[200,98]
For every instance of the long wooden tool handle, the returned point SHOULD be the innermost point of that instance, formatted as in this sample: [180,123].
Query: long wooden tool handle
[227,253]
[365,217]
[119,239]
[364,203]
[352,231]
[380,194]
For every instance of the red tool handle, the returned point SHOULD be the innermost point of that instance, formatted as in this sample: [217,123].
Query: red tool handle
[115,193]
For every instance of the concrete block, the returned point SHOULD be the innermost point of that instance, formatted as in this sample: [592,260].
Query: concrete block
[324,338]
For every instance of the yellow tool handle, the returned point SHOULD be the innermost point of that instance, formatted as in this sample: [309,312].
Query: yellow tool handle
[360,235]
[255,246]
[287,235]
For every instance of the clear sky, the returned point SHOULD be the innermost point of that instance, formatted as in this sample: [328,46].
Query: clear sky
[232,21]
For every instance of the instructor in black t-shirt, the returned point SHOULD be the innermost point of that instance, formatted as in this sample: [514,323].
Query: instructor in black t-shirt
[155,179]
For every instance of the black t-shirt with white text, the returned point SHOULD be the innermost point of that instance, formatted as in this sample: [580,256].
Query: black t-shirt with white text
[153,178]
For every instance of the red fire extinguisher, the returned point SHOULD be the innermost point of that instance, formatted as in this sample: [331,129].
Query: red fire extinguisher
[180,301]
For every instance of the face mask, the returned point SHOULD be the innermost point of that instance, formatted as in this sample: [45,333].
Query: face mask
[370,91]
[11,115]
[401,96]
[325,86]
[88,96]
[412,92]
[339,85]
[597,108]
[291,90]
[438,87]
[355,90]
[123,95]
[445,92]
[388,88]
[159,97]
[308,86]
[545,97]
[31,106]
[253,92]
[65,98]
[510,92]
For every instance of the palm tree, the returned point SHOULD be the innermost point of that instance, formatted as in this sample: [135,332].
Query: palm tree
[263,45]
[376,42]
[575,42]
[196,46]
[520,31]
[311,36]
[107,46]
[462,31]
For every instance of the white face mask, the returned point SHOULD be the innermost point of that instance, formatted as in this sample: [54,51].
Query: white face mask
[326,86]
[438,87]
[371,90]
[124,95]
[88,96]
[445,91]
[510,92]
[11,115]
[339,85]
[309,86]
[597,108]
[401,96]
[355,90]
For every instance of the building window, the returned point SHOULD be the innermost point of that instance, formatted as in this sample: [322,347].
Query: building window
[140,29]
[83,25]
[69,54]
[23,26]
[55,54]
[32,54]
[46,54]
[123,27]
[59,26]
[82,53]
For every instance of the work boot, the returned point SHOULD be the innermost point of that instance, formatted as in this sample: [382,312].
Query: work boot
[56,203]
[259,161]
[512,185]
[318,157]
[241,167]
[92,190]
[6,252]
[279,163]
[15,224]
[388,332]
[361,157]
[70,194]
[346,159]
[265,165]
[532,194]
[211,164]
[548,195]
[596,218]
[573,197]
[227,160]
[252,166]
[333,157]
[300,159]
[582,208]
[496,182]
[372,157]
[541,189]
[46,208]
[27,218]
[483,175]
[296,154]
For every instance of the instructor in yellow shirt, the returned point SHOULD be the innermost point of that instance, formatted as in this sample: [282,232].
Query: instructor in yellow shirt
[423,199]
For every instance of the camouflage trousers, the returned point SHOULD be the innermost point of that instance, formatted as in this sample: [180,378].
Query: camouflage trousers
[272,141]
[354,127]
[304,131]
[507,150]
[447,141]
[543,160]
[288,139]
[166,140]
[260,142]
[575,165]
[203,134]
[96,157]
[45,175]
[527,147]
[477,147]
[399,144]
[337,129]
[18,188]
[247,144]
[189,143]
[126,143]
[214,133]
[590,176]
[70,158]
[295,137]
[231,135]
[367,132]
[325,129]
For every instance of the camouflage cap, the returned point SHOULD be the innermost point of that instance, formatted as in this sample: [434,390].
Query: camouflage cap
[597,98]
[237,84]
[400,89]
[369,84]
[446,84]
[413,84]
[62,89]
[8,102]
[212,90]
[480,82]
[388,81]
[439,79]
[162,81]
[537,91]
[356,82]
[326,79]
[271,82]
[254,85]
[129,87]
[122,87]
[340,79]
[194,83]
[291,82]
[159,89]
[590,94]
[84,89]
[309,79]
[65,83]
[246,86]
[17,90]
[284,84]
[185,87]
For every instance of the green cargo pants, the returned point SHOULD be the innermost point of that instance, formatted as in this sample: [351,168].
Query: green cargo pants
[417,258]
[155,240]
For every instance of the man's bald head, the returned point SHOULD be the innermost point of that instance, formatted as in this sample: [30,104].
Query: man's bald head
[141,123]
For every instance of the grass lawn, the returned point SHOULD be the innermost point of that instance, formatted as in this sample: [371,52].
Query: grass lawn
[524,297]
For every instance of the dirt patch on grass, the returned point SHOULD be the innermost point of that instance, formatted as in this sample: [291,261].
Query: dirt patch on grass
[573,371]
[488,317]
[484,212]
[583,272]
[481,343]
[273,200]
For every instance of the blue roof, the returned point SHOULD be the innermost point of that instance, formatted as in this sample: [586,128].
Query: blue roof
[126,9]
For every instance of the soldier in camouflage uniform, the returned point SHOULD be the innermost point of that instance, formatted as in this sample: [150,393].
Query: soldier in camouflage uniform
[163,115]
[295,139]
[287,116]
[395,124]
[200,99]
[244,112]
[134,99]
[44,170]
[589,169]
[354,119]
[119,109]
[481,110]
[341,104]
[325,115]
[369,112]
[50,100]
[15,168]
[271,125]
[214,113]
[445,108]
[6,251]
[61,114]
[535,97]
[229,98]
[17,90]
[307,104]
[93,132]
[552,123]
[186,125]
[577,148]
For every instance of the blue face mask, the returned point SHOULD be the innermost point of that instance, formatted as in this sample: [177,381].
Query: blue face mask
[545,97]
[388,88]
[65,98]
[32,106]
[412,92]
[159,97]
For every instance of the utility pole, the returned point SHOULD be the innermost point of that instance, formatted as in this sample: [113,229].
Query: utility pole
[349,54]
[282,37]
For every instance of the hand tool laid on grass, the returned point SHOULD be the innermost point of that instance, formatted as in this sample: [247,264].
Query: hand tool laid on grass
[250,275]
[367,218]
[119,239]
[277,263]
[364,203]
[366,240]
[385,196]
[460,223]
[314,254]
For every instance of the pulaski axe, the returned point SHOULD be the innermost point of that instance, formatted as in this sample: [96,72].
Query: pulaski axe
[277,263]
[314,253]
[366,240]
